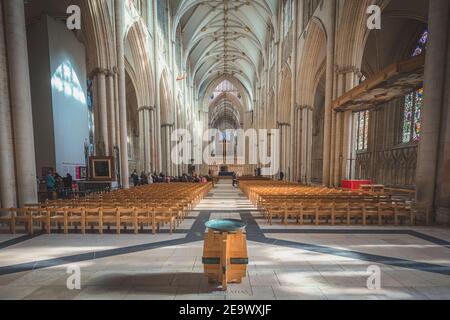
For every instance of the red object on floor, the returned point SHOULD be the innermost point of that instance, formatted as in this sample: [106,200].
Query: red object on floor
[354,184]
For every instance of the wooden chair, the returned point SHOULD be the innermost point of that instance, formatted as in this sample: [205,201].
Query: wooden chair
[405,212]
[144,216]
[308,211]
[371,210]
[93,216]
[324,210]
[276,210]
[23,215]
[77,216]
[60,216]
[342,212]
[7,216]
[41,215]
[110,216]
[127,216]
[356,210]
[163,216]
[387,212]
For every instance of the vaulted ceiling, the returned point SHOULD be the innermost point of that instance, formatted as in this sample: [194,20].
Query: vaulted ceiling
[225,39]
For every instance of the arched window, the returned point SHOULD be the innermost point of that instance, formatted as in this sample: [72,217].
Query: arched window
[362,135]
[287,16]
[413,103]
[412,116]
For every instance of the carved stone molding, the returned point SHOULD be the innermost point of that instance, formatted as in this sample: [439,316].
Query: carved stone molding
[143,108]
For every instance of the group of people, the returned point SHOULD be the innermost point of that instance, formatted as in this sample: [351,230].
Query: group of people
[56,183]
[144,178]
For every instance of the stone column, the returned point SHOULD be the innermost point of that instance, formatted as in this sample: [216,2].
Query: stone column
[141,115]
[147,149]
[102,145]
[20,94]
[152,141]
[8,196]
[434,79]
[120,17]
[329,92]
[110,92]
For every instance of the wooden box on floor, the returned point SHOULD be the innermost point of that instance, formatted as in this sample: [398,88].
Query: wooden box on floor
[225,257]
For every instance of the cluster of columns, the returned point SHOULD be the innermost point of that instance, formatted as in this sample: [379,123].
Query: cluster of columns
[17,153]
[147,142]
[285,147]
[105,111]
[303,120]
[166,134]
[433,169]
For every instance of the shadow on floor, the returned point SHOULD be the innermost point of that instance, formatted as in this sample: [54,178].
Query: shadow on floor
[158,283]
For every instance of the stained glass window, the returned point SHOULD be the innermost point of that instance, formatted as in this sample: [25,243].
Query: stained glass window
[413,105]
[412,116]
[421,44]
[362,122]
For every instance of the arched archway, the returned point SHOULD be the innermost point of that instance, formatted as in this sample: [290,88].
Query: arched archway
[309,74]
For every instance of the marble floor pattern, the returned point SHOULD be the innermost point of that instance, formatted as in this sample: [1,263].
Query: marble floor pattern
[286,262]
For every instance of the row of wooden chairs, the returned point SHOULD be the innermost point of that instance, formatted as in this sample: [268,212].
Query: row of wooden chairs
[83,218]
[318,212]
[319,205]
[138,207]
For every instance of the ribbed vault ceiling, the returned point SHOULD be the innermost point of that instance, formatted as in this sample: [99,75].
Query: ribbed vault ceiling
[225,38]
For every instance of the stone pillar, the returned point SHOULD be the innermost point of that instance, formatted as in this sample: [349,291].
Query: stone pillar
[141,116]
[147,149]
[145,138]
[434,80]
[8,196]
[329,92]
[20,94]
[102,144]
[111,102]
[152,141]
[120,17]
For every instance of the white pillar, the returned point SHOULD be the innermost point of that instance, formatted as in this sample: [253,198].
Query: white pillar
[111,111]
[120,17]
[147,146]
[329,93]
[102,145]
[8,196]
[20,93]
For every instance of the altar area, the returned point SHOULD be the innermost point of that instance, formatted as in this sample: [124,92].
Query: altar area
[221,170]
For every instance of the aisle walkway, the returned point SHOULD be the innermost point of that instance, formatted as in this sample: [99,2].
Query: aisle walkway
[286,262]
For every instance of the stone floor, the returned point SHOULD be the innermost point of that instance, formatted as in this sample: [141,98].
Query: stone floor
[286,262]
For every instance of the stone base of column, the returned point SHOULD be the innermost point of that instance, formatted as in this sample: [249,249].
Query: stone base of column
[443,215]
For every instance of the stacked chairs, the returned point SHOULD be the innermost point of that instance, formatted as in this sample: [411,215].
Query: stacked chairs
[152,206]
[289,202]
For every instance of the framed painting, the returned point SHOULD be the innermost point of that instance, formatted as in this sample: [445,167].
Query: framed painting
[101,168]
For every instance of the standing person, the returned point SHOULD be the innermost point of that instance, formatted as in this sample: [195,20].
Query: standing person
[50,180]
[135,178]
[144,178]
[235,181]
[51,184]
[68,181]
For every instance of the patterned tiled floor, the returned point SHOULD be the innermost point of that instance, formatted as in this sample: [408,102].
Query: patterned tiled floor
[286,262]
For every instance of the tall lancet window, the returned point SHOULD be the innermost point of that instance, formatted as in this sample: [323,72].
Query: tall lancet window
[413,102]
[287,16]
[362,134]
